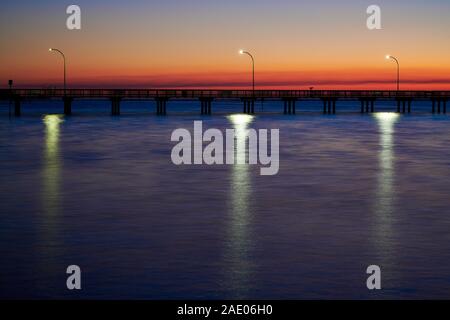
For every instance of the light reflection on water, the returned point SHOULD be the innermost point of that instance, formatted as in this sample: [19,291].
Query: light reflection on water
[240,266]
[385,197]
[52,166]
[50,218]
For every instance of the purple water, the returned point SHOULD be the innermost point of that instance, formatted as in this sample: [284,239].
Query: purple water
[101,192]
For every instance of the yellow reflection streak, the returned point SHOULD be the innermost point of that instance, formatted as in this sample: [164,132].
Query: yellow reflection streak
[238,265]
[385,196]
[52,165]
[49,248]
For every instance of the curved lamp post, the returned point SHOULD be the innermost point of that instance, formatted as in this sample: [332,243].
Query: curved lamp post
[389,57]
[253,67]
[64,59]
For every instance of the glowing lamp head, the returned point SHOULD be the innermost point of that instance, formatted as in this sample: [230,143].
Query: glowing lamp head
[388,56]
[241,51]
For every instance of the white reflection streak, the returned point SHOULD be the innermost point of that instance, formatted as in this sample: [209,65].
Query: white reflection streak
[51,194]
[385,192]
[51,171]
[238,270]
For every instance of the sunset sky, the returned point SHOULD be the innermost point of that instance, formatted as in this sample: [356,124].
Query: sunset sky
[181,43]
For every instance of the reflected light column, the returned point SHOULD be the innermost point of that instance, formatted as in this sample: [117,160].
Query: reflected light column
[238,265]
[51,171]
[385,196]
[48,244]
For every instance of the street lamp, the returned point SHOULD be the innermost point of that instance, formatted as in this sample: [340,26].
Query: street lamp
[64,59]
[389,57]
[253,67]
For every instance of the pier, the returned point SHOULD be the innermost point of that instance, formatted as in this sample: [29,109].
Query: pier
[403,100]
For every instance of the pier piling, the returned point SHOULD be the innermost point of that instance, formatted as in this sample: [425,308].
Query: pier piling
[367,105]
[329,105]
[115,106]
[439,105]
[67,105]
[161,106]
[249,106]
[205,106]
[17,107]
[404,105]
[289,105]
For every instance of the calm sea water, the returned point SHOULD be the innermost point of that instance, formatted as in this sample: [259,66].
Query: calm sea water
[101,192]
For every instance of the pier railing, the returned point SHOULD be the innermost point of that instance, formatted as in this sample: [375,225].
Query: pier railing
[218,94]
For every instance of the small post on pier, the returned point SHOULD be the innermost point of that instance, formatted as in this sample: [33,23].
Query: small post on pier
[439,106]
[409,105]
[445,106]
[372,105]
[433,106]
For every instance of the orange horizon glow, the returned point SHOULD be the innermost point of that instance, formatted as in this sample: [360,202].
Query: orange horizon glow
[233,72]
[359,79]
[296,45]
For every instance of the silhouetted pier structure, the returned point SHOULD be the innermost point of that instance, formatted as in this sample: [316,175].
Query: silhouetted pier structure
[290,98]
